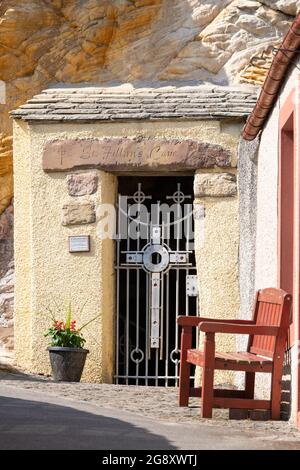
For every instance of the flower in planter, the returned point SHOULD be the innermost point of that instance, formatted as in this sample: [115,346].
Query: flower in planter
[66,334]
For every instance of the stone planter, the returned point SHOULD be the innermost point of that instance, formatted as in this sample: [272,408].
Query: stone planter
[67,363]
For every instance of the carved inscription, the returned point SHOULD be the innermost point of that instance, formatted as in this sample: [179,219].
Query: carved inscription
[123,154]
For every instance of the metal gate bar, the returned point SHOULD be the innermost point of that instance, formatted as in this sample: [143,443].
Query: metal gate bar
[147,336]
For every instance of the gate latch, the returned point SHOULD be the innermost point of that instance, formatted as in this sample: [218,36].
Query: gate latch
[192,285]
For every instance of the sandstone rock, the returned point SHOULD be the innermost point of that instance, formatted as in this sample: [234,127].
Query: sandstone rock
[224,48]
[6,284]
[255,71]
[102,40]
[78,213]
[82,184]
[6,240]
[215,185]
[290,7]
[7,296]
[6,180]
[6,314]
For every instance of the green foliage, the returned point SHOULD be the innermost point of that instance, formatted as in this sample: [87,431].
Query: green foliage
[65,338]
[66,334]
[69,316]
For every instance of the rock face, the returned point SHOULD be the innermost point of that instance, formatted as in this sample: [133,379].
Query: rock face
[49,41]
[6,239]
[6,180]
[6,284]
[6,314]
[224,48]
[99,40]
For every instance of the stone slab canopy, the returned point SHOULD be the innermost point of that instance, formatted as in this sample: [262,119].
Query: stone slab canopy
[124,102]
[144,103]
[122,154]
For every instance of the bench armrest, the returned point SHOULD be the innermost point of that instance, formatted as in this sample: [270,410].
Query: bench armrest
[238,328]
[185,320]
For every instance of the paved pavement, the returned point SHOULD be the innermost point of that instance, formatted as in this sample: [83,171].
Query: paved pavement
[39,414]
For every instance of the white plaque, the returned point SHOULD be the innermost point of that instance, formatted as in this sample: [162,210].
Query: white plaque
[79,244]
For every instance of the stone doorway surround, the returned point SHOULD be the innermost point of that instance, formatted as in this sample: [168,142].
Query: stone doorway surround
[70,145]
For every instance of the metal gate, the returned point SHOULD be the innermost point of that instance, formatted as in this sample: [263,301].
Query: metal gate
[156,277]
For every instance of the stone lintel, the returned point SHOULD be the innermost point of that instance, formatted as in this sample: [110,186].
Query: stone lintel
[215,185]
[136,154]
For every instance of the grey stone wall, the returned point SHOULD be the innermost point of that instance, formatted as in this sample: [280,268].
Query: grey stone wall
[247,184]
[247,188]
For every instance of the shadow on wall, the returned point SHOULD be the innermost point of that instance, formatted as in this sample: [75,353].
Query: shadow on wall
[27,425]
[286,389]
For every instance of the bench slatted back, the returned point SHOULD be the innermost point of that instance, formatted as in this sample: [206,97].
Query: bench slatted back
[272,308]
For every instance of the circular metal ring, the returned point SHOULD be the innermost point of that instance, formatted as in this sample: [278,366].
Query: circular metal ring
[137,351]
[175,351]
[139,197]
[163,255]
[178,197]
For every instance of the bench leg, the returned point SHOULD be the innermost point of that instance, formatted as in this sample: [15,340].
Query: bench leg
[208,376]
[276,395]
[185,367]
[207,392]
[184,383]
[249,384]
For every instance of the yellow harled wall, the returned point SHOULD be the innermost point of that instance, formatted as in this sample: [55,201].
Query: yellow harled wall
[45,268]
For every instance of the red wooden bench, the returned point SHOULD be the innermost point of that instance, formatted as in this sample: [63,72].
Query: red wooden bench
[268,331]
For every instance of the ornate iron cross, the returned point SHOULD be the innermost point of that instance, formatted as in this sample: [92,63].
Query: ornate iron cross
[156,258]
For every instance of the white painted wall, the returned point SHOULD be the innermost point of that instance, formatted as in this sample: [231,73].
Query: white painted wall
[267,188]
[266,274]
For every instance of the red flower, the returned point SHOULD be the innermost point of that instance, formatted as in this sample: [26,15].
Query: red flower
[58,325]
[73,325]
